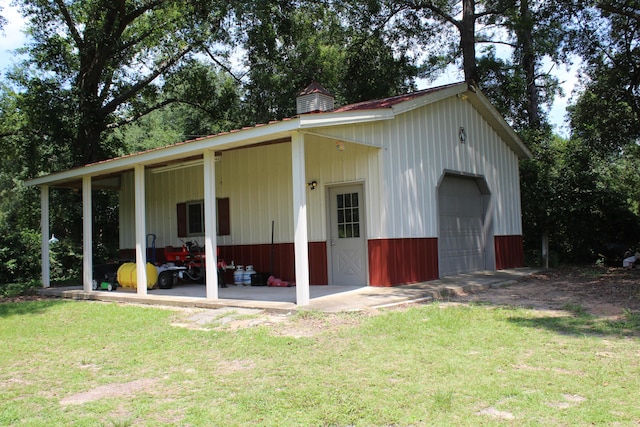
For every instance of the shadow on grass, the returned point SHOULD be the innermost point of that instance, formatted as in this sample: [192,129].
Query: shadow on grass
[10,308]
[581,325]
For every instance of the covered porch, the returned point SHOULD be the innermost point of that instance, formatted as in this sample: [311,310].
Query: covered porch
[205,152]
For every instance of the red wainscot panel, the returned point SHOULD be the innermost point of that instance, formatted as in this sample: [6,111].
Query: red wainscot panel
[509,252]
[401,261]
[283,259]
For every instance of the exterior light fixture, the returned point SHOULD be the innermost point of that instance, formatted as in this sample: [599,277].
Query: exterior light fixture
[312,185]
[462,136]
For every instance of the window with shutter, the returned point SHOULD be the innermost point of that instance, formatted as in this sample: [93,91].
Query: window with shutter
[190,216]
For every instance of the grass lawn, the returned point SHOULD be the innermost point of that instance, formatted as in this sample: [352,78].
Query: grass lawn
[86,364]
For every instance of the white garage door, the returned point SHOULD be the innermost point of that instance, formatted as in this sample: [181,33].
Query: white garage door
[462,241]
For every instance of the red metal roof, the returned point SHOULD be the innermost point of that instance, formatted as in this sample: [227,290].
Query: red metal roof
[389,102]
[314,87]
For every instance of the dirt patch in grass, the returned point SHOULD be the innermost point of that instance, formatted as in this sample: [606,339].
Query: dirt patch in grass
[296,325]
[608,293]
[110,390]
[597,291]
[308,324]
[495,414]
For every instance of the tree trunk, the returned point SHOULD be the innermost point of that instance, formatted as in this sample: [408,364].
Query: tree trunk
[525,36]
[95,54]
[545,249]
[468,41]
[90,127]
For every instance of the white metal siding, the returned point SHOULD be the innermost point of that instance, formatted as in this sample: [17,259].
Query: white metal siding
[257,182]
[400,163]
[417,148]
[330,167]
[163,192]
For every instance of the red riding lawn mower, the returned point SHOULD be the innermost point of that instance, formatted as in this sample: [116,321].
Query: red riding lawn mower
[186,262]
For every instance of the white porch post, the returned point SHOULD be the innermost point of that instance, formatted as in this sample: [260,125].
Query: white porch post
[210,221]
[44,227]
[87,235]
[301,240]
[141,230]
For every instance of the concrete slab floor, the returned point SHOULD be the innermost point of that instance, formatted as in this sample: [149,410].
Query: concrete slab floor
[328,298]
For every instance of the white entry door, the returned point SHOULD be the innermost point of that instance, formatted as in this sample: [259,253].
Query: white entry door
[347,239]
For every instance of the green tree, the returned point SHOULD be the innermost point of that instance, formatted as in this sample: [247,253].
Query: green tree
[22,155]
[605,119]
[290,44]
[524,92]
[105,54]
[199,101]
[607,113]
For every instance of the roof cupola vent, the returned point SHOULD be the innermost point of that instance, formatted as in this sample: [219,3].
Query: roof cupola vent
[314,99]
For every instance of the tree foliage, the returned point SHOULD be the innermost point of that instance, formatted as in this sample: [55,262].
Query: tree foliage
[104,55]
[607,113]
[290,44]
[199,101]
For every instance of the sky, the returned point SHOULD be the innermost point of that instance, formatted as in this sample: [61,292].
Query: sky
[12,37]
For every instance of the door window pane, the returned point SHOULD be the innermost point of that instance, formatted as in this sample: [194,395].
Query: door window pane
[348,215]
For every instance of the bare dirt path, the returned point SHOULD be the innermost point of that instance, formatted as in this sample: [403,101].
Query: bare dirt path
[599,291]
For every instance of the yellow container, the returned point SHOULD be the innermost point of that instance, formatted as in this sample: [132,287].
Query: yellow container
[128,276]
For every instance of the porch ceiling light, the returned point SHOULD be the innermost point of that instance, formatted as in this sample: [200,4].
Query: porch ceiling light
[176,166]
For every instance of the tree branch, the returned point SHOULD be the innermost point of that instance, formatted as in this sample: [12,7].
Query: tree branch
[221,65]
[138,12]
[70,23]
[441,13]
[619,11]
[142,113]
[6,134]
[131,91]
[488,41]
[157,107]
